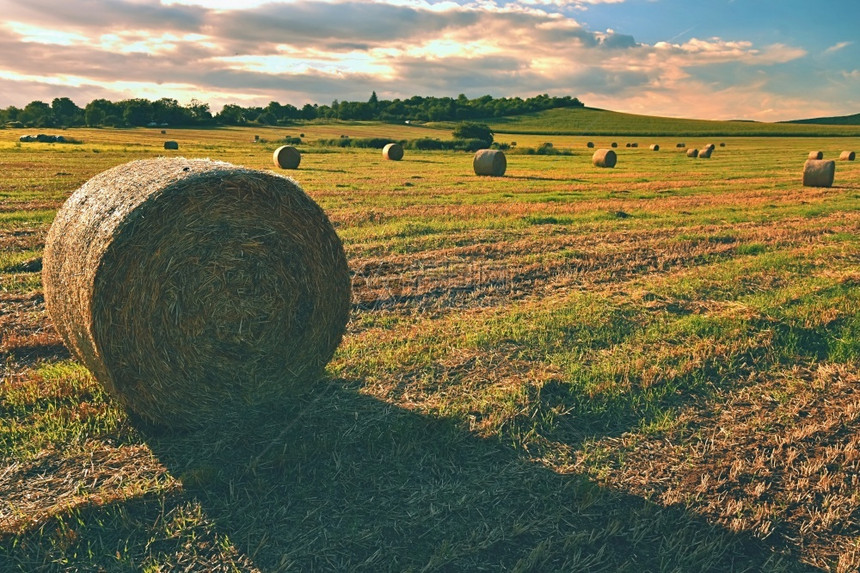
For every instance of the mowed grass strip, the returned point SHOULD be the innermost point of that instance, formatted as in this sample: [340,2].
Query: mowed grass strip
[560,369]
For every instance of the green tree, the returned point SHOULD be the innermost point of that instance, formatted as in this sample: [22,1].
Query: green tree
[473,130]
[137,111]
[37,114]
[66,113]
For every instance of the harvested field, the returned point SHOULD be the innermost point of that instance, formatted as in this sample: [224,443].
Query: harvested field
[651,367]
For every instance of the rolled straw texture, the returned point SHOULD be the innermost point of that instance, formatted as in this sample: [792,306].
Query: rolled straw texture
[815,155]
[393,151]
[819,172]
[604,158]
[692,152]
[287,157]
[193,288]
[705,153]
[654,147]
[846,156]
[489,162]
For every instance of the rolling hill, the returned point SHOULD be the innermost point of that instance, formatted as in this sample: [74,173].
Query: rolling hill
[593,121]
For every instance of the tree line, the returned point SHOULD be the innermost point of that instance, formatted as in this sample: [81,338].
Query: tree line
[137,112]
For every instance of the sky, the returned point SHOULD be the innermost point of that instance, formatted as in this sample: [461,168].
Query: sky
[765,60]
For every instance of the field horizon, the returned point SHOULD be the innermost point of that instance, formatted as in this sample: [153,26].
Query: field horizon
[647,368]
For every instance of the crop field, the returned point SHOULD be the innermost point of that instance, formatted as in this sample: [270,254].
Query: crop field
[654,367]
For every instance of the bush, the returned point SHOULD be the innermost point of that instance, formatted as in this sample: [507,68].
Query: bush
[474,130]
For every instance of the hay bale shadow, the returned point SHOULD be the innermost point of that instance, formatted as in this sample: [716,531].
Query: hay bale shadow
[344,481]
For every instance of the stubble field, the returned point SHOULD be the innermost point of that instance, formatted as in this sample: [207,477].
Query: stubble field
[652,367]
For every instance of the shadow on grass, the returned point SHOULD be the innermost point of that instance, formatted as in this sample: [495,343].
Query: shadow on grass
[342,481]
[339,481]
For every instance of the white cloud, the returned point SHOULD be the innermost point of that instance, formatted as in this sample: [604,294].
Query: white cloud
[319,50]
[837,47]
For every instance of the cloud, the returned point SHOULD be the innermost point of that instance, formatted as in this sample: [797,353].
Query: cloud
[837,47]
[317,51]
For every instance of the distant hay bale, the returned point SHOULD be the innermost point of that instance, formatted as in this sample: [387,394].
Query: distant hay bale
[590,144]
[846,156]
[709,146]
[722,144]
[626,145]
[705,153]
[194,288]
[654,147]
[490,162]
[604,158]
[287,157]
[818,172]
[816,155]
[692,152]
[393,151]
[680,145]
[171,145]
[634,144]
[163,131]
[613,144]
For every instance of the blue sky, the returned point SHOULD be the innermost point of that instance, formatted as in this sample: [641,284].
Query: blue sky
[765,60]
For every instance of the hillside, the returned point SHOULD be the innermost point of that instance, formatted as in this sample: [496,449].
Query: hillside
[837,120]
[592,121]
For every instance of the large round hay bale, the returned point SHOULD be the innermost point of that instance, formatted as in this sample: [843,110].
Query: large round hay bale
[709,146]
[604,158]
[171,145]
[590,145]
[490,162]
[705,153]
[287,157]
[393,151]
[654,147]
[818,172]
[815,155]
[692,152]
[846,156]
[193,289]
[613,144]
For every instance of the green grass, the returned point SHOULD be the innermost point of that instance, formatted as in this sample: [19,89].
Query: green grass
[597,122]
[652,367]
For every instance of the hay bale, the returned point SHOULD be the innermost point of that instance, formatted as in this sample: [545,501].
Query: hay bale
[654,147]
[634,145]
[680,145]
[604,158]
[706,152]
[626,145]
[815,155]
[489,162]
[818,172]
[171,145]
[722,144]
[692,152]
[613,144]
[163,131]
[287,157]
[393,151]
[590,145]
[190,288]
[709,146]
[846,156]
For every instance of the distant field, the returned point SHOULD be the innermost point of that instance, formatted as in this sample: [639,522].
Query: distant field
[652,367]
[589,121]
